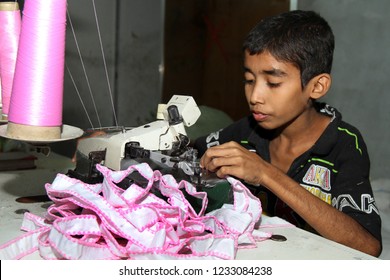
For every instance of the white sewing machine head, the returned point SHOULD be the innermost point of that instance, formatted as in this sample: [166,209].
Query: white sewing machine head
[162,143]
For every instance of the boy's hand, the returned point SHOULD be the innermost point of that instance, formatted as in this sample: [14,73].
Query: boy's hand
[234,160]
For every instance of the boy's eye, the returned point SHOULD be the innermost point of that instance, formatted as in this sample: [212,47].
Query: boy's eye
[273,85]
[249,82]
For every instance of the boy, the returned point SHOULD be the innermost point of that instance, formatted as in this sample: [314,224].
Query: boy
[305,164]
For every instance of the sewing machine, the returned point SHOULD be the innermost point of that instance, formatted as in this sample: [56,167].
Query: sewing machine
[163,144]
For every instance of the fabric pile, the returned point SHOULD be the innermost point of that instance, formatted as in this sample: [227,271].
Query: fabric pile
[105,221]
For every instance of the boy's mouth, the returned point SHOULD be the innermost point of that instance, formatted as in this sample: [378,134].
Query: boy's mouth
[259,116]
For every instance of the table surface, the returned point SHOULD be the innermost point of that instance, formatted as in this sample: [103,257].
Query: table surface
[300,244]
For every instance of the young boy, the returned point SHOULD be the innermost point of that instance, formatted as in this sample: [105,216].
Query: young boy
[305,164]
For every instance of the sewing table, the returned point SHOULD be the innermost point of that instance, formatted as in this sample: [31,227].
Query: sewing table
[300,244]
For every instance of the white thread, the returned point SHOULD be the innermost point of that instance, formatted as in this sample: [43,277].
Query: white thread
[85,72]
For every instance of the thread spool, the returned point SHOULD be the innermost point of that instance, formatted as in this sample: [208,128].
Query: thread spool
[31,114]
[35,113]
[10,20]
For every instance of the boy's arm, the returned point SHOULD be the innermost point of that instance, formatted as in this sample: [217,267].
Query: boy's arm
[234,160]
[325,219]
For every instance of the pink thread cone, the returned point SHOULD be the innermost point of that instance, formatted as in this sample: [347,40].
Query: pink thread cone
[37,94]
[10,22]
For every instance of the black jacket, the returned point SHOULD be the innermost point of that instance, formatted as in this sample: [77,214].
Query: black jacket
[336,169]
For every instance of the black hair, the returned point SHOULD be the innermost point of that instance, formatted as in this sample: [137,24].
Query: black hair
[302,38]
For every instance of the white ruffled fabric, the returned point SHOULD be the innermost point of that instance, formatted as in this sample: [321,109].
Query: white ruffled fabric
[103,221]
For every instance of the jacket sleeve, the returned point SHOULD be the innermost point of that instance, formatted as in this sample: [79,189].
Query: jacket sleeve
[352,191]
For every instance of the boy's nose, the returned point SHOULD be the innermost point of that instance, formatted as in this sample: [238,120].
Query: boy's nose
[257,94]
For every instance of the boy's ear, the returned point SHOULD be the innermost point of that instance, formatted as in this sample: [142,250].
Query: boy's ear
[320,85]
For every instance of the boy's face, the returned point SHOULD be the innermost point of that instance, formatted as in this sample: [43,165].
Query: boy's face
[273,90]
